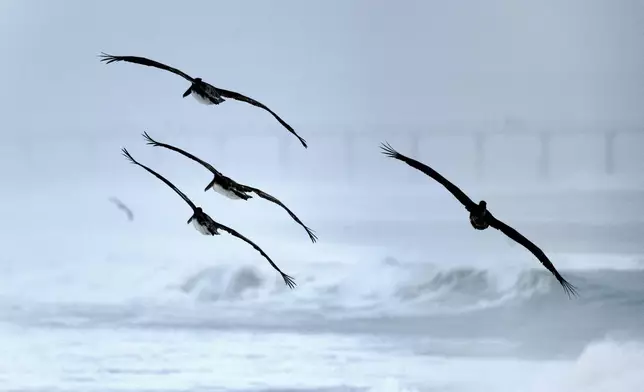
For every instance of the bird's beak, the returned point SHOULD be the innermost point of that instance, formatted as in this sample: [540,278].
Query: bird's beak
[209,185]
[191,218]
[188,91]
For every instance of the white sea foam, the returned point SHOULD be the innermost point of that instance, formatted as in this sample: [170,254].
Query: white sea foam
[603,366]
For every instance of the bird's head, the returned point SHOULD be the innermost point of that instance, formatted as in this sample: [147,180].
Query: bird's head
[482,205]
[210,184]
[198,211]
[195,81]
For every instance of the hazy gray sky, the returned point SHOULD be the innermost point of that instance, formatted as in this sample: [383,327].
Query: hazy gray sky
[330,62]
[323,66]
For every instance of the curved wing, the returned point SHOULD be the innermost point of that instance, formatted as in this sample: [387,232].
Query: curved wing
[108,59]
[160,177]
[454,190]
[519,238]
[123,207]
[182,152]
[287,279]
[243,98]
[273,199]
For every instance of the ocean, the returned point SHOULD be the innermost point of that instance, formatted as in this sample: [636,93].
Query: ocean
[151,305]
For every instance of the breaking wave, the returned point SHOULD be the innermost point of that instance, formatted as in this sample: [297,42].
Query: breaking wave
[391,287]
[383,296]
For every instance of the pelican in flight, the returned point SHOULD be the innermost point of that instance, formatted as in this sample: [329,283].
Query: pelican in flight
[480,217]
[119,204]
[203,92]
[205,224]
[228,187]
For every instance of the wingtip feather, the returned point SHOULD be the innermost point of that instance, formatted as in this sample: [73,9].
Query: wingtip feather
[107,58]
[312,235]
[568,288]
[388,150]
[290,282]
[127,155]
[148,139]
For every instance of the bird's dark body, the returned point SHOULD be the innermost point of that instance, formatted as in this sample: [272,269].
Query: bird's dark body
[207,92]
[226,182]
[228,187]
[480,217]
[231,186]
[479,220]
[205,222]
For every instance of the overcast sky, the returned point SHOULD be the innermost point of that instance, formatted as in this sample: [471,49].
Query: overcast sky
[323,62]
[324,66]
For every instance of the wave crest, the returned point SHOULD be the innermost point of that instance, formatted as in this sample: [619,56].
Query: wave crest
[387,285]
[220,283]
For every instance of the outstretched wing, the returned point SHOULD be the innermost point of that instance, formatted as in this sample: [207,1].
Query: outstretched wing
[160,177]
[241,97]
[287,279]
[273,199]
[459,194]
[180,151]
[519,238]
[108,58]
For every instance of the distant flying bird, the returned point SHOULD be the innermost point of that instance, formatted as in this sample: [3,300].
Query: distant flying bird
[123,207]
[203,92]
[480,217]
[228,187]
[205,224]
